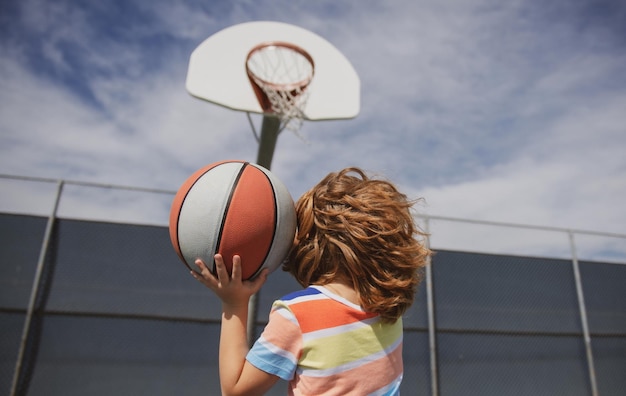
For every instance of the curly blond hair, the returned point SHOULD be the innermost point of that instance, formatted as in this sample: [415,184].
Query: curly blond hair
[360,231]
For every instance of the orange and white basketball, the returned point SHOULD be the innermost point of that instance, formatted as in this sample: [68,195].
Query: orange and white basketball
[233,208]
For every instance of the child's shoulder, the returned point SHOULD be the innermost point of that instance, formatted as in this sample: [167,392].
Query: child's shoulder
[298,299]
[304,294]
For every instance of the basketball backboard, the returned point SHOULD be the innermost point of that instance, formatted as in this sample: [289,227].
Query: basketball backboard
[217,70]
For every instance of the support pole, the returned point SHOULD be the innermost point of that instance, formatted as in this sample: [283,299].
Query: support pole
[35,291]
[267,144]
[583,316]
[430,301]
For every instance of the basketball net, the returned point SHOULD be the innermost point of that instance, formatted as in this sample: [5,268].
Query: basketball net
[279,73]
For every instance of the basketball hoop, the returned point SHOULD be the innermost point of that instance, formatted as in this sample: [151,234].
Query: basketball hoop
[279,73]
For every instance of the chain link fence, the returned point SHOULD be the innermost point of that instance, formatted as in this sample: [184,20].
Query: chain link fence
[93,300]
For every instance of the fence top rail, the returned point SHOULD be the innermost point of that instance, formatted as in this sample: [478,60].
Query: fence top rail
[518,225]
[422,216]
[88,184]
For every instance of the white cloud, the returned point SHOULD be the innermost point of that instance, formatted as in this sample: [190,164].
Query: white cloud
[486,109]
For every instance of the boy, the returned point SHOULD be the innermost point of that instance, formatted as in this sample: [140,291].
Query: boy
[357,255]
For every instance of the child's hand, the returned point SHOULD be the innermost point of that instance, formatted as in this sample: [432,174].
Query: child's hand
[229,288]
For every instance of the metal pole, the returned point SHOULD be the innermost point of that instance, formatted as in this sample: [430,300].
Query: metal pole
[267,143]
[583,315]
[35,290]
[430,301]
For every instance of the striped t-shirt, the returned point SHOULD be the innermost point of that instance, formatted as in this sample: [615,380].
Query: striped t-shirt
[325,345]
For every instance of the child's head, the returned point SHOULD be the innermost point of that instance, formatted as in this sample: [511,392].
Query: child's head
[359,231]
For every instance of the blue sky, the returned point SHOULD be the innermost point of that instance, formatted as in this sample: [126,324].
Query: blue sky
[504,111]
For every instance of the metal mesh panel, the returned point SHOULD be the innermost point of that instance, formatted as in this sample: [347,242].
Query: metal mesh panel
[123,270]
[20,243]
[11,325]
[605,297]
[504,293]
[108,356]
[496,364]
[609,355]
[416,317]
[415,356]
[507,325]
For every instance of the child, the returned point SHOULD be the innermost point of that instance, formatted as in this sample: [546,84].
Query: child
[357,256]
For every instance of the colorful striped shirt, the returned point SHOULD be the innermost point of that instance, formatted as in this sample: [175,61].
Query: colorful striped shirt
[325,345]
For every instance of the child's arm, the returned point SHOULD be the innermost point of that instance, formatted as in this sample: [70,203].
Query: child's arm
[237,375]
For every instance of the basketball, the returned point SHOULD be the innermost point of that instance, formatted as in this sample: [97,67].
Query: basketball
[233,208]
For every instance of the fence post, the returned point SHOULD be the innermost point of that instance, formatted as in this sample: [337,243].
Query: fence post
[583,315]
[430,301]
[35,290]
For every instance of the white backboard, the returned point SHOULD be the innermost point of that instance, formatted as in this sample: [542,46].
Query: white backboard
[217,70]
